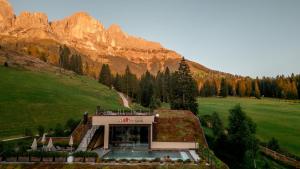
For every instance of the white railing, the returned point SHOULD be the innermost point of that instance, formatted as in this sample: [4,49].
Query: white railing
[87,139]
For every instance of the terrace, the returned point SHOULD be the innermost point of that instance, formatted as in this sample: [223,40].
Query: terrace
[124,113]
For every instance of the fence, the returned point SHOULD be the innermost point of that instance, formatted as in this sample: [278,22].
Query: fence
[282,158]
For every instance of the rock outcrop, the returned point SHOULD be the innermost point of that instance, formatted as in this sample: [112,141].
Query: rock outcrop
[33,34]
[6,15]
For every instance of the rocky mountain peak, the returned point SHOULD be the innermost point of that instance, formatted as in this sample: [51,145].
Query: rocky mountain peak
[114,28]
[6,15]
[78,25]
[31,20]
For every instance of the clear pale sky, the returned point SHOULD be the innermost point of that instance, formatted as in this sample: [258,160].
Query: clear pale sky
[245,37]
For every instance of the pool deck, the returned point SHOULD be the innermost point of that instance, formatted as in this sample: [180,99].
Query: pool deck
[182,154]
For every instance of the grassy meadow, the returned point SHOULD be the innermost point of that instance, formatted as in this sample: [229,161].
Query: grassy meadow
[29,99]
[274,117]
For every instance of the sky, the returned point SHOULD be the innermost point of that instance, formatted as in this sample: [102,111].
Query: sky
[244,37]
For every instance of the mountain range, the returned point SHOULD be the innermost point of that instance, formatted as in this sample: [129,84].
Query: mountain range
[33,35]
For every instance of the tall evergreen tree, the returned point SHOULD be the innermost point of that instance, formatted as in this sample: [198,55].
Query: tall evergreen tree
[241,134]
[64,53]
[241,90]
[147,89]
[159,86]
[130,83]
[117,82]
[224,88]
[184,89]
[76,64]
[217,125]
[256,89]
[105,76]
[166,85]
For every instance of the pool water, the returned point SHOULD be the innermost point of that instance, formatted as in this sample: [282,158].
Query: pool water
[148,155]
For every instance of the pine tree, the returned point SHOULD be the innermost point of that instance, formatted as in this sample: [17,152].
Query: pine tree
[130,83]
[76,64]
[256,89]
[105,76]
[64,53]
[117,82]
[224,88]
[217,125]
[166,85]
[241,134]
[159,86]
[147,89]
[241,90]
[184,89]
[248,83]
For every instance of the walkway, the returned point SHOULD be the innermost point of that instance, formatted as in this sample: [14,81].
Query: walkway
[124,99]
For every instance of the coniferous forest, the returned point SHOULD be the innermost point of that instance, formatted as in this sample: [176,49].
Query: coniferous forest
[180,89]
[150,90]
[278,87]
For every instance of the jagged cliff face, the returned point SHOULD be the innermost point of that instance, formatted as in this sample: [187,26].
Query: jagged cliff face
[34,34]
[6,15]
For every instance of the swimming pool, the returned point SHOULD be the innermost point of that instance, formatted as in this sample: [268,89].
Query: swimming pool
[119,154]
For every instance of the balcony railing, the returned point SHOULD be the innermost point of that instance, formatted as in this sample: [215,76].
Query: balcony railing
[124,113]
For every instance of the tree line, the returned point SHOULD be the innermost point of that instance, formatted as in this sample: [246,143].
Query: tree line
[155,89]
[177,88]
[279,87]
[70,61]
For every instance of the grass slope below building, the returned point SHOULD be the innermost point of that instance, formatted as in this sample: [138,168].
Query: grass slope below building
[274,117]
[29,99]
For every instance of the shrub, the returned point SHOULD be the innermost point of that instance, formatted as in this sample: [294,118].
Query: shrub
[47,154]
[58,131]
[187,161]
[41,130]
[85,154]
[124,160]
[71,124]
[28,132]
[180,160]
[273,144]
[156,160]
[134,160]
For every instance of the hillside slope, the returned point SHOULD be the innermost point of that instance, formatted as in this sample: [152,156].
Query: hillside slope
[31,98]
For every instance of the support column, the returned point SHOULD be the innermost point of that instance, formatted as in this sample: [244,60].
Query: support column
[150,136]
[106,136]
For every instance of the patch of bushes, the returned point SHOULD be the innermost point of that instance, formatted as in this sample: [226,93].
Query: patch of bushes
[85,154]
[187,161]
[124,160]
[180,161]
[156,160]
[47,154]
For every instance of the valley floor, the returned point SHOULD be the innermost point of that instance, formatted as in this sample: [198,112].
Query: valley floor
[274,117]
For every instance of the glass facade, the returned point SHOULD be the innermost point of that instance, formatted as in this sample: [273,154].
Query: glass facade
[129,136]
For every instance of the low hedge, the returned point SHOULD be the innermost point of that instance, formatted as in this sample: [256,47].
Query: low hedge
[47,154]
[85,154]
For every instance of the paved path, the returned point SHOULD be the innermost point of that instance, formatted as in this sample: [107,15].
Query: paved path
[125,100]
[17,138]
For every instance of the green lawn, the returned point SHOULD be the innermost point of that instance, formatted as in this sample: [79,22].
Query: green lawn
[28,99]
[274,117]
